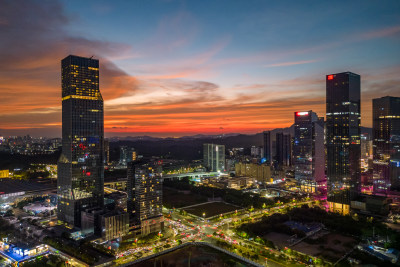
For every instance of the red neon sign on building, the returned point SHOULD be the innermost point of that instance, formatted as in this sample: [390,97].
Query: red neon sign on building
[330,77]
[301,113]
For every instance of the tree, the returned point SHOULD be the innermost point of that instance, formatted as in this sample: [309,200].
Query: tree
[66,235]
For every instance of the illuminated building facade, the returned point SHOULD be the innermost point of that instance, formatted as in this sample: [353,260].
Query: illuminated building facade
[80,183]
[214,157]
[308,150]
[343,136]
[4,174]
[366,151]
[114,224]
[267,147]
[386,144]
[261,172]
[144,203]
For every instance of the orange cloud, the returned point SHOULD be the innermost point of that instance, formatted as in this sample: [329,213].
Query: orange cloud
[165,99]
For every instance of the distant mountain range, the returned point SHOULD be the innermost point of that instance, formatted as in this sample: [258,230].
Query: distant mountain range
[191,147]
[219,136]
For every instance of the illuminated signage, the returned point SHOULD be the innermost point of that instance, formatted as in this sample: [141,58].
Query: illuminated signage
[330,77]
[302,113]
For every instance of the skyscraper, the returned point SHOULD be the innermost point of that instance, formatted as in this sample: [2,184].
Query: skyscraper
[283,147]
[386,144]
[214,157]
[126,155]
[267,147]
[343,136]
[80,183]
[308,150]
[144,203]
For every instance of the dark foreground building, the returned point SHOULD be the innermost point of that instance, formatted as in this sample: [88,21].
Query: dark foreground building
[267,147]
[283,148]
[386,144]
[80,183]
[343,139]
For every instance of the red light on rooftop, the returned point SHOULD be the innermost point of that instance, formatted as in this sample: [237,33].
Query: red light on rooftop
[330,77]
[301,113]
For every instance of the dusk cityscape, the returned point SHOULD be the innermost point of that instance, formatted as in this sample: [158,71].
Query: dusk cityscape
[199,133]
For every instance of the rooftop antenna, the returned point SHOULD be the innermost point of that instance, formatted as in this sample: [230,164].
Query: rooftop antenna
[91,57]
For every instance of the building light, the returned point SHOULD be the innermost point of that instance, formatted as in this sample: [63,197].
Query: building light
[301,113]
[330,77]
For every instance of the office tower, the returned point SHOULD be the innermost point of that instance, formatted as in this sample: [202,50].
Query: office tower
[283,148]
[81,164]
[308,151]
[267,147]
[106,152]
[257,152]
[343,137]
[145,197]
[214,157]
[366,152]
[386,144]
[366,146]
[126,155]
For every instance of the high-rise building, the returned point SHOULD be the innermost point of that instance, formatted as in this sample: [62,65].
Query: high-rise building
[144,203]
[126,155]
[386,144]
[309,151]
[80,183]
[267,147]
[343,137]
[283,155]
[366,152]
[214,157]
[257,151]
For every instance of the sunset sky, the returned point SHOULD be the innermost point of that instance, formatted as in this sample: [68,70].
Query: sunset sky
[174,68]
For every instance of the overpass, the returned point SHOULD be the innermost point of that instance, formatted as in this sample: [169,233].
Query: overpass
[192,175]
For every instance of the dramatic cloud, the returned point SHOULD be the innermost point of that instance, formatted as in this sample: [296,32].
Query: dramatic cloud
[33,42]
[181,76]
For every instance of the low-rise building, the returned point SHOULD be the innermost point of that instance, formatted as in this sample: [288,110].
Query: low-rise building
[4,174]
[260,172]
[114,224]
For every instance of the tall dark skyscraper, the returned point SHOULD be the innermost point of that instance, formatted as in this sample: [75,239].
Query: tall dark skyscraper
[308,150]
[267,147]
[283,147]
[386,144]
[80,183]
[343,136]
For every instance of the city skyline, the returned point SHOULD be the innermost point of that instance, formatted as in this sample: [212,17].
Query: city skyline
[189,68]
